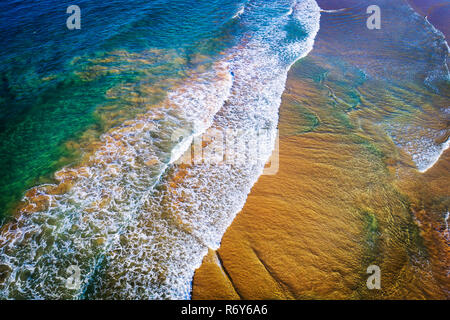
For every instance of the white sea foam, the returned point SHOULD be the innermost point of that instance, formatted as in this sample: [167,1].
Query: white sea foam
[206,200]
[416,140]
[136,224]
[437,73]
[239,12]
[87,221]
[333,11]
[419,143]
[447,229]
[434,154]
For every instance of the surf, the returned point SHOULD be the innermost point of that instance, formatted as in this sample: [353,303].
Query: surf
[135,223]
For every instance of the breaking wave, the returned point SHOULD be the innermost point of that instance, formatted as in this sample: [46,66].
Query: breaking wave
[135,223]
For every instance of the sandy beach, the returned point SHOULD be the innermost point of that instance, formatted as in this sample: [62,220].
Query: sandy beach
[346,196]
[133,150]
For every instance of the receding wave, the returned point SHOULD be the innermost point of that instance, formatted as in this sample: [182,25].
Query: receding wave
[426,145]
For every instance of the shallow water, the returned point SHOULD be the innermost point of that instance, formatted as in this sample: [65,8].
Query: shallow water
[355,124]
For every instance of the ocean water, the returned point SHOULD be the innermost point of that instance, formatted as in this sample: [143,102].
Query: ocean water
[45,100]
[408,57]
[100,106]
[95,121]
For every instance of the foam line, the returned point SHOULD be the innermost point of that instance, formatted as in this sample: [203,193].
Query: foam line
[136,224]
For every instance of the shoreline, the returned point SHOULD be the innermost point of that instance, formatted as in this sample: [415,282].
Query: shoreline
[309,231]
[445,147]
[174,215]
[346,194]
[425,10]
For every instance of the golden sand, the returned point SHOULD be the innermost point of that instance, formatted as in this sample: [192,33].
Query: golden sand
[333,209]
[345,197]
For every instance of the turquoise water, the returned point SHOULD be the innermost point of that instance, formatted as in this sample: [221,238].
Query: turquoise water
[43,100]
[111,108]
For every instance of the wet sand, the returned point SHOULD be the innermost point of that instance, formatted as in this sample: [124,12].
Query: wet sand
[346,196]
